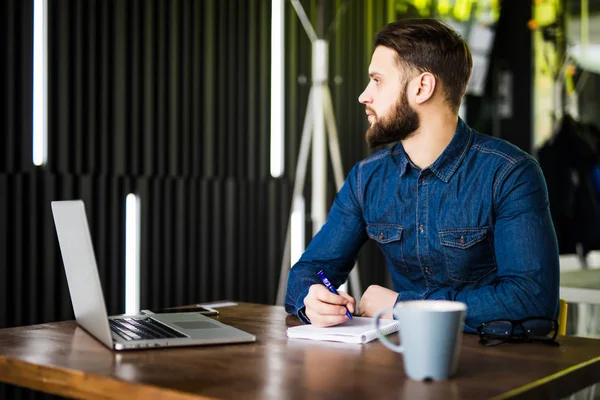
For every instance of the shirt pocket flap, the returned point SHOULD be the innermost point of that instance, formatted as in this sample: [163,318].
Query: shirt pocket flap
[462,239]
[384,233]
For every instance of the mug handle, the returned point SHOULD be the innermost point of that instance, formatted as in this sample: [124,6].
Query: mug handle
[382,338]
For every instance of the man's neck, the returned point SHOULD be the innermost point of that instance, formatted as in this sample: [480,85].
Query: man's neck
[430,140]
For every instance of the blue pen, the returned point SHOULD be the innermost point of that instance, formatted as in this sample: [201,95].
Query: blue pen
[331,288]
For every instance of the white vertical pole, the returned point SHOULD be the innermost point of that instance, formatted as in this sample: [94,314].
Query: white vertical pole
[40,82]
[132,254]
[298,232]
[277,153]
[319,144]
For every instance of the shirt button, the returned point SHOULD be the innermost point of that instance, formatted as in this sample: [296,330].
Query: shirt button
[421,228]
[462,240]
[423,180]
[427,270]
[381,236]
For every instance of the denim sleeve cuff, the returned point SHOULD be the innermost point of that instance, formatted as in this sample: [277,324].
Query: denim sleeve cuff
[301,308]
[302,316]
[408,295]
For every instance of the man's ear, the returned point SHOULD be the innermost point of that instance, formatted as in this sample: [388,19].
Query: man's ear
[425,84]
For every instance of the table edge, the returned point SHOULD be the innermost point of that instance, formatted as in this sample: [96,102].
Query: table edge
[59,381]
[522,390]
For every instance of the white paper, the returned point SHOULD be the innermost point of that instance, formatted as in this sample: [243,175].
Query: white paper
[357,330]
[218,305]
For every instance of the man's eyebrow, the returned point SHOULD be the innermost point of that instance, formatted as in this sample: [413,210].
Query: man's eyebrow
[375,75]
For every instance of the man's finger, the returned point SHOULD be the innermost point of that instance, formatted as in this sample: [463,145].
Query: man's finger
[351,301]
[323,294]
[327,297]
[327,320]
[320,307]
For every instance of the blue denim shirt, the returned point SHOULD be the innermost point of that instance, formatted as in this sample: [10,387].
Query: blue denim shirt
[474,227]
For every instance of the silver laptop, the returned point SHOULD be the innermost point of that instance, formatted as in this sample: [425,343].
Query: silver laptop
[124,332]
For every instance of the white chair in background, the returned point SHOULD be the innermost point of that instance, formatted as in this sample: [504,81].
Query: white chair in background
[580,283]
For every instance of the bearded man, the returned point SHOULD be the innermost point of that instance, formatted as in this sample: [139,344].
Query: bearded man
[458,215]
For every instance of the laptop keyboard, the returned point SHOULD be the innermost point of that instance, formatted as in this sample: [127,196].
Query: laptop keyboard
[142,329]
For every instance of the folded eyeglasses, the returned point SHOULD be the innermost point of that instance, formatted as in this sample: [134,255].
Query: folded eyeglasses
[538,329]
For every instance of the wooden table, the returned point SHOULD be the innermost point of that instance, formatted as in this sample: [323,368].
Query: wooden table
[62,358]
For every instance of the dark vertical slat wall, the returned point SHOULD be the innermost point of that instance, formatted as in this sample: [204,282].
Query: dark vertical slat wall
[16,235]
[165,99]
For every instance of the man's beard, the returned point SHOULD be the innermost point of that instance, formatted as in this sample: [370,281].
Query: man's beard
[400,124]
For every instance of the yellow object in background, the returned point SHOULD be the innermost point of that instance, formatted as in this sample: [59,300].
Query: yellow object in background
[484,11]
[462,9]
[444,7]
[562,317]
[569,82]
[424,6]
[545,12]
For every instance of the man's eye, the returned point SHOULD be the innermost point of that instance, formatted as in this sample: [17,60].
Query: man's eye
[376,81]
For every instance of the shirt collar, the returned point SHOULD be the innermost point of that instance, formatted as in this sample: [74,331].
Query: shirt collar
[403,160]
[447,163]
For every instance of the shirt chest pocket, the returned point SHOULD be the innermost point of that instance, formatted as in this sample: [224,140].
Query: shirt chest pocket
[389,240]
[468,253]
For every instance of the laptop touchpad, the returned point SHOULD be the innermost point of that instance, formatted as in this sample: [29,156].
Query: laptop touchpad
[195,324]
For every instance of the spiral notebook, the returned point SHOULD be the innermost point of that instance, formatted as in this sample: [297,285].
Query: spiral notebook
[358,330]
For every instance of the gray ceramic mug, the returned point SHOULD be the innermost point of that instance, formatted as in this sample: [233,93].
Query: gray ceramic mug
[430,336]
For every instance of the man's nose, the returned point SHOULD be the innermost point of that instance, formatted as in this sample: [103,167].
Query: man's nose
[364,97]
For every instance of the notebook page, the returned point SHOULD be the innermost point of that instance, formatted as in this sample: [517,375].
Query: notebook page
[357,330]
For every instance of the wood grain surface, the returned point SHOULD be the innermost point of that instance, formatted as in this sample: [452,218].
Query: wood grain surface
[63,359]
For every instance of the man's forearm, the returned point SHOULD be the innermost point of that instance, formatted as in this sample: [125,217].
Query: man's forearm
[299,281]
[504,300]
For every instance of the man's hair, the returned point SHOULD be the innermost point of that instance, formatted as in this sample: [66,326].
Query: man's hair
[428,45]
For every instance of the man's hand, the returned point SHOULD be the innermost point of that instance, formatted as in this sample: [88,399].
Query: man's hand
[374,299]
[324,308]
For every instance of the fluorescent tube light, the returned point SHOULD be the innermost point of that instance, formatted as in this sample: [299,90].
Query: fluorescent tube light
[40,82]
[132,254]
[277,89]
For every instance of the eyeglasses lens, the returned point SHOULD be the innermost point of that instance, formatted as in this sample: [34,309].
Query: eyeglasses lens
[537,329]
[495,332]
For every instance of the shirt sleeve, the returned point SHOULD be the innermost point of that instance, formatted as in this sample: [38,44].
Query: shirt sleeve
[526,251]
[334,248]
